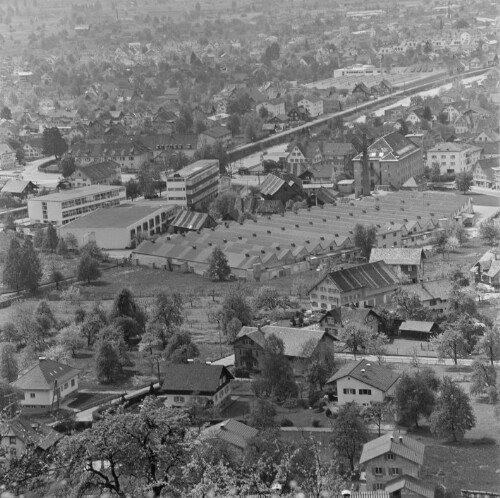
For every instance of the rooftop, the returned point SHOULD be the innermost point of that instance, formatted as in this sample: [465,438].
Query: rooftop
[44,374]
[233,432]
[79,192]
[417,326]
[374,375]
[195,168]
[193,377]
[397,255]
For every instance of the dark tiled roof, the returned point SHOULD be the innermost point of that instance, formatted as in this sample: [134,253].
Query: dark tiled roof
[371,275]
[217,132]
[417,326]
[97,172]
[193,377]
[374,375]
[412,484]
[44,374]
[409,448]
[233,432]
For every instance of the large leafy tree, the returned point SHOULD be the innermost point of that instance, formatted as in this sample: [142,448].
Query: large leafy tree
[168,312]
[8,363]
[125,305]
[450,344]
[453,415]
[218,267]
[365,238]
[489,231]
[53,143]
[349,433]
[181,348]
[50,239]
[22,268]
[107,363]
[236,305]
[489,344]
[144,453]
[415,396]
[88,268]
[464,181]
[483,377]
[68,166]
[409,306]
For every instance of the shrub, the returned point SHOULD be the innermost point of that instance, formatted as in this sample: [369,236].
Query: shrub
[316,422]
[286,422]
[241,373]
[328,412]
[314,397]
[492,395]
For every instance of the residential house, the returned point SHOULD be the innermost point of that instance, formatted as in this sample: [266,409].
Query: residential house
[417,329]
[232,432]
[365,285]
[281,187]
[408,263]
[300,345]
[45,384]
[434,294]
[32,149]
[395,113]
[184,383]
[103,173]
[19,188]
[214,135]
[389,457]
[274,107]
[453,157]
[340,155]
[487,269]
[392,159]
[296,160]
[483,172]
[335,319]
[298,114]
[8,158]
[18,433]
[361,91]
[364,382]
[313,105]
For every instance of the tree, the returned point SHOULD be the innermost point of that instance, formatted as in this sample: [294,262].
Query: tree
[451,343]
[489,344]
[50,238]
[180,348]
[356,337]
[427,114]
[409,306]
[452,244]
[267,298]
[489,231]
[8,363]
[145,453]
[5,113]
[168,311]
[107,363]
[349,433]
[62,247]
[376,413]
[483,377]
[223,205]
[236,305]
[149,179]
[58,352]
[68,166]
[70,337]
[365,239]
[71,242]
[132,189]
[93,323]
[276,375]
[415,396]
[453,415]
[184,122]
[262,414]
[22,268]
[435,172]
[92,249]
[233,124]
[232,329]
[124,305]
[464,181]
[53,143]
[88,268]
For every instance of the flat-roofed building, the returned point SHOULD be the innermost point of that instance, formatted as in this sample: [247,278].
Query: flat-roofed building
[63,207]
[122,226]
[195,184]
[453,157]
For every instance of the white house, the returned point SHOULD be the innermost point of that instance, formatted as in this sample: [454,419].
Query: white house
[185,383]
[313,105]
[364,382]
[46,383]
[7,156]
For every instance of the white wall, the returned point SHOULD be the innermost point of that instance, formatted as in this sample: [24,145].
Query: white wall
[184,399]
[350,383]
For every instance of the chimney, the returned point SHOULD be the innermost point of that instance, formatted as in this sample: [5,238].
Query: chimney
[392,439]
[400,439]
[363,371]
[365,174]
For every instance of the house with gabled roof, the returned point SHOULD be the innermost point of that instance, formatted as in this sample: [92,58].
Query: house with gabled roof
[365,285]
[363,382]
[231,431]
[99,173]
[300,345]
[336,319]
[418,329]
[393,463]
[487,269]
[19,188]
[46,383]
[407,262]
[184,383]
[187,220]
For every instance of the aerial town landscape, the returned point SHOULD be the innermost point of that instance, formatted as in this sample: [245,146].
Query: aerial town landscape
[250,249]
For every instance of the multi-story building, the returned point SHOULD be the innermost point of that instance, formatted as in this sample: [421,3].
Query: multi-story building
[7,156]
[194,184]
[104,173]
[62,207]
[313,105]
[213,135]
[275,107]
[392,160]
[453,157]
[364,285]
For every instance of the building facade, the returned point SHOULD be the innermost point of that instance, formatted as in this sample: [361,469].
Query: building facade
[453,157]
[7,156]
[63,207]
[392,160]
[195,184]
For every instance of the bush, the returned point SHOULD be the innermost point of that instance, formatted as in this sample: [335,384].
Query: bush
[328,412]
[286,422]
[492,395]
[303,403]
[314,397]
[316,422]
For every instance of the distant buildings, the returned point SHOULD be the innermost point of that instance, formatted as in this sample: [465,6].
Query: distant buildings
[63,207]
[392,160]
[103,173]
[195,184]
[487,269]
[407,262]
[313,105]
[213,135]
[7,156]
